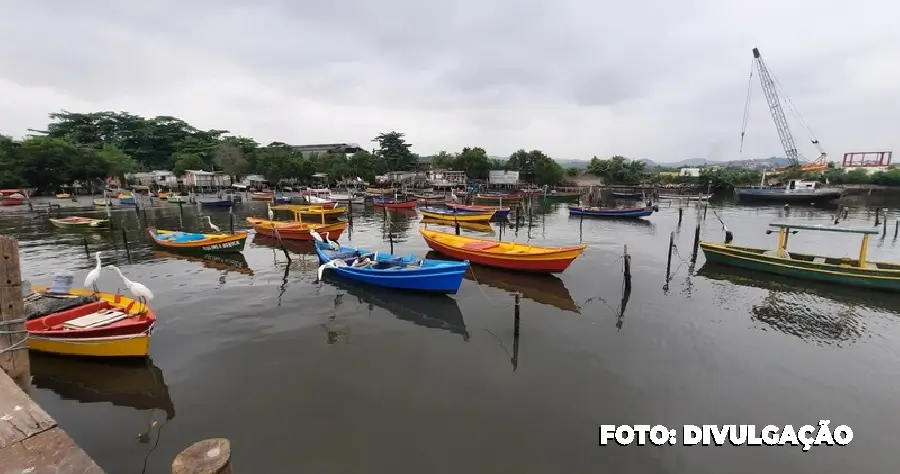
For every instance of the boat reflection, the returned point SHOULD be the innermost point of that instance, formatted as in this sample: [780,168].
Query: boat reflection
[295,246]
[448,226]
[138,385]
[430,311]
[223,262]
[813,312]
[544,289]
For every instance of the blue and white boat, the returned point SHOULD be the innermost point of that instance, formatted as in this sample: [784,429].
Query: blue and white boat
[388,271]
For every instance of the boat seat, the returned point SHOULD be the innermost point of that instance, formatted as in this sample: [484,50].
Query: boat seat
[100,318]
[344,255]
[188,238]
[819,260]
[480,245]
[872,265]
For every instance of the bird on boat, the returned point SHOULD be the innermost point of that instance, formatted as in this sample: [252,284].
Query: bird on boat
[332,264]
[361,262]
[211,225]
[91,278]
[315,235]
[140,291]
[270,212]
[331,244]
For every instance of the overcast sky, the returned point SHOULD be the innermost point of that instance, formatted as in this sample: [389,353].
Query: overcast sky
[664,80]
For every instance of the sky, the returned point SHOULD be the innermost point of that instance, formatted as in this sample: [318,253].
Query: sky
[655,79]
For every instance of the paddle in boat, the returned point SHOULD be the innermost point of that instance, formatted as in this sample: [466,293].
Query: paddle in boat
[386,270]
[612,212]
[455,215]
[76,222]
[206,243]
[499,212]
[859,272]
[509,255]
[395,203]
[111,325]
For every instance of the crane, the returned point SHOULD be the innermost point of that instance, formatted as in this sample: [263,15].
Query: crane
[770,89]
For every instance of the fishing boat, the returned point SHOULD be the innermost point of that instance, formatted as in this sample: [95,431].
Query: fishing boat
[795,191]
[208,243]
[178,198]
[611,212]
[499,212]
[12,197]
[126,199]
[387,271]
[455,215]
[114,326]
[509,255]
[841,270]
[561,196]
[262,196]
[486,198]
[473,226]
[634,196]
[305,212]
[162,195]
[394,203]
[216,202]
[63,196]
[101,202]
[76,222]
[294,230]
[380,191]
[684,197]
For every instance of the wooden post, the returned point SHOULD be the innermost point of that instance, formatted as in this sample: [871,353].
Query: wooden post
[13,343]
[627,268]
[680,213]
[669,259]
[896,228]
[210,456]
[87,252]
[125,242]
[696,242]
[877,217]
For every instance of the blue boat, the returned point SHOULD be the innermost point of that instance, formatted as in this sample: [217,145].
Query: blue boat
[282,199]
[216,203]
[387,271]
[127,200]
[611,212]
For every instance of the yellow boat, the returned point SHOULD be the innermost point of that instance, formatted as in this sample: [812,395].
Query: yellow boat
[380,190]
[118,345]
[63,196]
[100,202]
[452,215]
[476,226]
[322,213]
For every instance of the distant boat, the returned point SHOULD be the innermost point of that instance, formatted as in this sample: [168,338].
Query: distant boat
[216,202]
[76,222]
[394,203]
[628,195]
[686,197]
[12,197]
[452,215]
[611,212]
[797,191]
[499,212]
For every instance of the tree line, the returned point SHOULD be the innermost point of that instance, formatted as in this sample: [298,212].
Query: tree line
[90,146]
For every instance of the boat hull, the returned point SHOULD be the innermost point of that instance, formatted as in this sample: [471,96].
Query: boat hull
[215,243]
[436,277]
[135,345]
[786,196]
[395,204]
[85,224]
[499,212]
[611,213]
[221,203]
[800,266]
[457,216]
[490,199]
[295,231]
[9,201]
[554,260]
[262,197]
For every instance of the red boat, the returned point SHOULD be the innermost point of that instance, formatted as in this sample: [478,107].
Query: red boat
[394,203]
[100,319]
[11,197]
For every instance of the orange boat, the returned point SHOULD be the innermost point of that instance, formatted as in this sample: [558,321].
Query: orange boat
[12,197]
[294,230]
[508,255]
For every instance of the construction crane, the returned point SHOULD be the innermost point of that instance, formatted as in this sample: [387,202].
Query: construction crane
[770,88]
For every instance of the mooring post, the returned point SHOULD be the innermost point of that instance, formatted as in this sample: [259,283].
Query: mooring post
[705,208]
[231,221]
[516,316]
[896,228]
[456,228]
[349,212]
[581,226]
[884,229]
[877,217]
[210,456]
[680,213]
[669,259]
[13,336]
[125,242]
[627,268]
[146,222]
[87,252]
[696,242]
[181,210]
[391,237]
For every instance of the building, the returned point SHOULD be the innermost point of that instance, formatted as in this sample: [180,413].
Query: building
[445,178]
[307,150]
[254,181]
[503,177]
[870,161]
[691,172]
[206,179]
[156,178]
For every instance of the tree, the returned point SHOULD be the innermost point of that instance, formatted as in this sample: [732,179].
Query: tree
[230,159]
[572,171]
[10,163]
[474,161]
[443,161]
[186,161]
[395,151]
[617,170]
[117,162]
[536,167]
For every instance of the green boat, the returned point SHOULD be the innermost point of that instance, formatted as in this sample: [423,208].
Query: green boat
[859,272]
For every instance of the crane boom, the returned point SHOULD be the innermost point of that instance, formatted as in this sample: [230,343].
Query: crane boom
[771,92]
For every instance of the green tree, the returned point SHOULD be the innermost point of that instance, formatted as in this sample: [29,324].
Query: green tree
[186,161]
[230,158]
[617,170]
[443,161]
[117,162]
[536,167]
[392,147]
[571,171]
[474,161]
[10,163]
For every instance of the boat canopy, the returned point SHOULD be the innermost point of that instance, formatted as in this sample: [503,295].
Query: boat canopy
[825,228]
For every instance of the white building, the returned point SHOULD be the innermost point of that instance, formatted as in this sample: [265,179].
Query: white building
[503,177]
[164,178]
[692,172]
[206,179]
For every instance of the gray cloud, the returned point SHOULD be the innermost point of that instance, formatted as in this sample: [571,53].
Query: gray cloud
[663,80]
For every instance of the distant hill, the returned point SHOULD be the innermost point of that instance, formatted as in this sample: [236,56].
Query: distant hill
[696,162]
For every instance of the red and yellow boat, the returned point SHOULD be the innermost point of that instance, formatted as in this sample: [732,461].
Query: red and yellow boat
[508,255]
[295,230]
[321,212]
[115,326]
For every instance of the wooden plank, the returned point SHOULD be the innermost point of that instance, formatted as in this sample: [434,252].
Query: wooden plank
[20,417]
[13,353]
[51,451]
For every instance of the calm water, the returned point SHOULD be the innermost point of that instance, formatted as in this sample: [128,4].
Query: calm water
[329,377]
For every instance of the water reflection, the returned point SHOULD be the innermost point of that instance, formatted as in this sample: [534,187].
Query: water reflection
[823,314]
[225,262]
[430,311]
[300,247]
[396,224]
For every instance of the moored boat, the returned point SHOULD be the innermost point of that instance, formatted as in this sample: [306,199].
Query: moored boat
[216,202]
[101,202]
[63,196]
[395,203]
[207,243]
[126,199]
[77,222]
[305,212]
[177,198]
[795,191]
[859,272]
[509,255]
[262,196]
[294,230]
[12,197]
[499,211]
[611,212]
[497,198]
[387,271]
[455,215]
[685,197]
[114,326]
[473,226]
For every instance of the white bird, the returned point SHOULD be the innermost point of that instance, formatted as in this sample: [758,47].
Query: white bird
[315,235]
[333,245]
[375,256]
[269,209]
[91,278]
[211,225]
[361,262]
[142,293]
[331,264]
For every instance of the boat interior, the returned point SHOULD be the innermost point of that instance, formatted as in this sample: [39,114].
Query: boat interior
[810,258]
[89,316]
